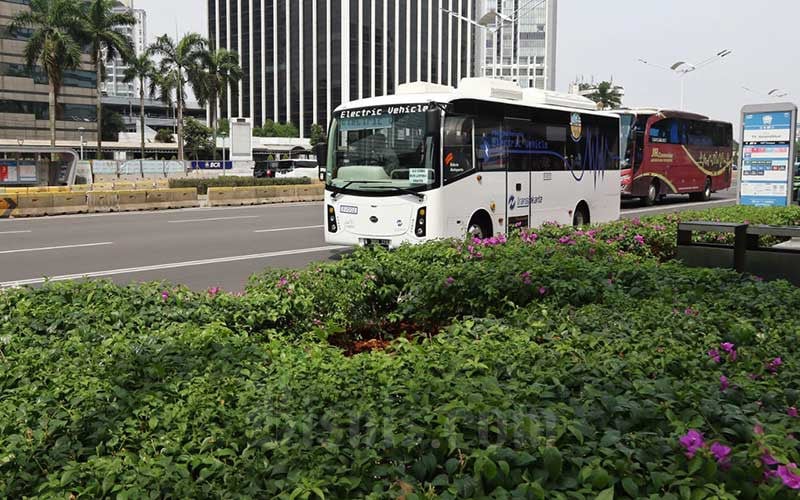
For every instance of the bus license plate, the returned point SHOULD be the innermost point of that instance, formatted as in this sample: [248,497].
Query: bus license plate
[372,242]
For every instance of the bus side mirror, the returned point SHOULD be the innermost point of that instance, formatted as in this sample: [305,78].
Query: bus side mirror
[433,121]
[321,152]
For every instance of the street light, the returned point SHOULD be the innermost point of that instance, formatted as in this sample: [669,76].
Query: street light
[683,68]
[81,129]
[774,93]
[493,22]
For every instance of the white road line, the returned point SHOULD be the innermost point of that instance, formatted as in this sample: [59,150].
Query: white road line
[174,265]
[14,232]
[213,219]
[298,228]
[677,206]
[62,247]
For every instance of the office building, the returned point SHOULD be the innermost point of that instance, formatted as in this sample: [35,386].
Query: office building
[302,58]
[115,69]
[524,45]
[24,94]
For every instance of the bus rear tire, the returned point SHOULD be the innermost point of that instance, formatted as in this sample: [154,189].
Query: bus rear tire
[652,194]
[581,217]
[480,226]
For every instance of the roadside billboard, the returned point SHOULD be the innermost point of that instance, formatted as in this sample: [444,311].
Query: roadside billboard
[766,166]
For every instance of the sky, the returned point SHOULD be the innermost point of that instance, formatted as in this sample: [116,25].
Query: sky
[601,39]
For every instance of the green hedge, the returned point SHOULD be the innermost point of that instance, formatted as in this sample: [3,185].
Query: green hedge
[527,368]
[202,185]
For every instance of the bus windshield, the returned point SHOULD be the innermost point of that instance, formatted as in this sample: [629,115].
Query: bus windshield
[632,130]
[382,150]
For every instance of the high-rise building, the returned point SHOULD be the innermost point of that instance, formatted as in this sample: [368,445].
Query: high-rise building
[523,47]
[302,58]
[115,69]
[24,93]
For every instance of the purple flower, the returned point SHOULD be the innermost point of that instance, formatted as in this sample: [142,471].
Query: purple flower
[727,346]
[691,442]
[768,459]
[774,364]
[721,453]
[164,295]
[283,282]
[449,281]
[214,291]
[639,239]
[792,412]
[526,278]
[564,240]
[714,355]
[724,383]
[789,475]
[542,290]
[758,430]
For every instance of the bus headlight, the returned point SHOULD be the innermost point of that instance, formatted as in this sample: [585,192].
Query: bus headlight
[421,222]
[332,226]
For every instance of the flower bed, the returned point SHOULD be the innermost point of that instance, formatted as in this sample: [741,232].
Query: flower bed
[530,367]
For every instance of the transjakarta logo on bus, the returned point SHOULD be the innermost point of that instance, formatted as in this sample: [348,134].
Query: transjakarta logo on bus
[391,110]
[525,202]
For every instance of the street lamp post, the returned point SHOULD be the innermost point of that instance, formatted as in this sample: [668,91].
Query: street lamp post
[81,129]
[683,68]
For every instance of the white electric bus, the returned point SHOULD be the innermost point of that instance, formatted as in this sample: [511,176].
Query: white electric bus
[436,162]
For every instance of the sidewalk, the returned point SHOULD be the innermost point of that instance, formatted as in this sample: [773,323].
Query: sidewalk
[793,244]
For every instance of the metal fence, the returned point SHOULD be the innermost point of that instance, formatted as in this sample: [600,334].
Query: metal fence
[105,170]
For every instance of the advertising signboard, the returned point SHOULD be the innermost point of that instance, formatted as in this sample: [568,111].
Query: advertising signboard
[14,172]
[766,160]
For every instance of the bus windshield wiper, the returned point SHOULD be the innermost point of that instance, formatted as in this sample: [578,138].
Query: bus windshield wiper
[403,190]
[341,190]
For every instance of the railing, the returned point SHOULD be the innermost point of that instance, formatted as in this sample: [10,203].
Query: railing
[109,170]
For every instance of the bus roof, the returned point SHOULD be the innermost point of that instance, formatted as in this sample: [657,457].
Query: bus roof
[483,89]
[667,113]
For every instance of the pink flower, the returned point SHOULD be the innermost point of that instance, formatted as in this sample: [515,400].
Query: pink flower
[692,441]
[689,311]
[768,459]
[639,239]
[789,475]
[774,364]
[727,346]
[526,278]
[714,355]
[542,290]
[721,453]
[283,282]
[214,291]
[758,430]
[724,383]
[164,295]
[792,412]
[449,281]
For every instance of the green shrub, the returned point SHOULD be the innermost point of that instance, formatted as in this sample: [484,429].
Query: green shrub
[561,369]
[202,185]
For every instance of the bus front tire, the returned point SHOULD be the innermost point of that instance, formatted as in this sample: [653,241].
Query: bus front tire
[480,226]
[652,194]
[704,195]
[581,217]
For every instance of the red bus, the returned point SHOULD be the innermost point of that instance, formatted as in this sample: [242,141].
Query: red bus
[674,152]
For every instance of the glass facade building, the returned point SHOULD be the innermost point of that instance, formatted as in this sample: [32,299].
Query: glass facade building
[523,49]
[302,58]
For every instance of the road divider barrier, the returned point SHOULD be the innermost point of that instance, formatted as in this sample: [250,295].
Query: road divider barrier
[8,204]
[132,200]
[156,199]
[34,205]
[68,203]
[103,201]
[183,198]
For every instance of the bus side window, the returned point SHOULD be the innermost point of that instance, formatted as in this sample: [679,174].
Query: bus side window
[457,147]
[490,149]
[553,148]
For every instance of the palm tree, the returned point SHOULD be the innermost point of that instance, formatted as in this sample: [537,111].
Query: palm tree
[142,69]
[102,29]
[181,64]
[54,26]
[221,72]
[605,94]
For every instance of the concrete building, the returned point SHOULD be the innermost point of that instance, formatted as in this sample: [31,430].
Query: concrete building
[115,69]
[523,49]
[24,109]
[302,58]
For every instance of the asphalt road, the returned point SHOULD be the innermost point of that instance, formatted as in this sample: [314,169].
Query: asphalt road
[199,248]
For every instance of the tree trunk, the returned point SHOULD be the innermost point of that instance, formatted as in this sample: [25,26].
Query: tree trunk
[213,104]
[52,113]
[180,120]
[98,69]
[141,122]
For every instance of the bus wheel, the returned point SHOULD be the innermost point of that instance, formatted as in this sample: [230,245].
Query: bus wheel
[480,226]
[703,195]
[581,217]
[652,194]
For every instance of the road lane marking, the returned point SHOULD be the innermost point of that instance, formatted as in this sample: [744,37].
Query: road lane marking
[677,206]
[15,232]
[277,230]
[174,265]
[210,219]
[62,247]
